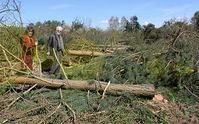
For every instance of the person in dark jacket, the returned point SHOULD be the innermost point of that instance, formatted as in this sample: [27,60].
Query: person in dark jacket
[55,43]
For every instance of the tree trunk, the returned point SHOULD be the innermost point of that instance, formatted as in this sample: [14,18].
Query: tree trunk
[84,53]
[115,89]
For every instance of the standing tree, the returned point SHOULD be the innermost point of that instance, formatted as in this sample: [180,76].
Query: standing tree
[10,12]
[123,23]
[147,30]
[77,24]
[114,23]
[135,24]
[195,20]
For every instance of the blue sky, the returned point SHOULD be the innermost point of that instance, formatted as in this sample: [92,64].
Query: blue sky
[97,12]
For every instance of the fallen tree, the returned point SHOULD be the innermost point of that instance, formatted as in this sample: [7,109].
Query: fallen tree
[84,53]
[115,89]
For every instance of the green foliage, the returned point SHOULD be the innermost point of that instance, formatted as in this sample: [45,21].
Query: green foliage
[153,56]
[10,38]
[41,40]
[77,24]
[155,68]
[46,65]
[84,45]
[81,44]
[3,88]
[23,105]
[122,67]
[195,20]
[87,71]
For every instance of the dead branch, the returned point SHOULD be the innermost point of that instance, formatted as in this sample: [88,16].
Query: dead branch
[67,106]
[49,115]
[191,92]
[17,9]
[60,66]
[15,57]
[103,95]
[18,98]
[11,10]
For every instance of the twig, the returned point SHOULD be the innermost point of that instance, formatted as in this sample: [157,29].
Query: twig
[60,66]
[191,92]
[98,82]
[15,57]
[10,65]
[93,114]
[37,56]
[74,114]
[168,64]
[60,93]
[105,118]
[67,106]
[16,6]
[103,95]
[88,99]
[7,58]
[24,93]
[23,72]
[48,116]
[34,109]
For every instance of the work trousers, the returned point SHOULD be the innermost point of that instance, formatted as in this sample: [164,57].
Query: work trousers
[55,69]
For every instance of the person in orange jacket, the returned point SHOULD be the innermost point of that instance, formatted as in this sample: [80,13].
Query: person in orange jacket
[28,47]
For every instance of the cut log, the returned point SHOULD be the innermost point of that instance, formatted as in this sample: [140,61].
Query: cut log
[115,89]
[85,53]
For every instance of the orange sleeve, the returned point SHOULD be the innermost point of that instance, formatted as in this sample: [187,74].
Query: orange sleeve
[28,43]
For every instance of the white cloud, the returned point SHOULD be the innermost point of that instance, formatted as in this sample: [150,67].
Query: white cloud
[146,23]
[104,21]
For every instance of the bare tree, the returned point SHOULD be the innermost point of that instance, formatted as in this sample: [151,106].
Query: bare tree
[10,12]
[114,23]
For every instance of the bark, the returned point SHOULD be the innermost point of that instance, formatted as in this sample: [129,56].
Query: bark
[84,53]
[114,89]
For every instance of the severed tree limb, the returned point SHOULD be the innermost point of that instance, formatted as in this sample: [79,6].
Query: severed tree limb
[24,93]
[56,109]
[15,57]
[74,114]
[114,89]
[191,93]
[67,106]
[103,95]
[7,58]
[39,61]
[49,115]
[10,65]
[60,65]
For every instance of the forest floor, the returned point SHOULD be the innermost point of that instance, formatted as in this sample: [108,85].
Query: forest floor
[42,105]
